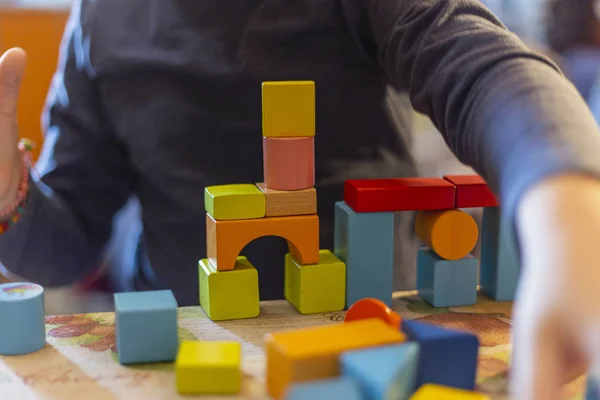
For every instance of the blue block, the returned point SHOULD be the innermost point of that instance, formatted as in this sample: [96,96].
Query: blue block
[325,389]
[446,283]
[365,242]
[22,318]
[447,357]
[383,372]
[146,325]
[499,256]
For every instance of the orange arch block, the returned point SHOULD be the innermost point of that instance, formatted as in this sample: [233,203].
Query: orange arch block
[226,239]
[373,308]
[451,234]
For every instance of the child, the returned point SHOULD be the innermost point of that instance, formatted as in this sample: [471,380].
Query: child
[154,100]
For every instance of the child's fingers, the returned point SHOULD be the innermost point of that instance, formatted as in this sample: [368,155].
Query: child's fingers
[12,68]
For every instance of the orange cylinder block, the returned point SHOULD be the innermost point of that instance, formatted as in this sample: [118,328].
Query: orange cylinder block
[451,234]
[373,308]
[289,162]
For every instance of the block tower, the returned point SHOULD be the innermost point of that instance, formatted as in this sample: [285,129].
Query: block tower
[284,205]
[446,271]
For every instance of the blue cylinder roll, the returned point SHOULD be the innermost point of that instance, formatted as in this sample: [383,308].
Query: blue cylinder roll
[22,323]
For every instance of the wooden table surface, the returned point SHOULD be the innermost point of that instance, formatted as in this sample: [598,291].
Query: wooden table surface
[79,361]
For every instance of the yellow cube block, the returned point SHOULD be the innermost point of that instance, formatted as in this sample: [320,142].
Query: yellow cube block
[233,294]
[316,288]
[430,391]
[236,201]
[209,367]
[288,108]
[313,353]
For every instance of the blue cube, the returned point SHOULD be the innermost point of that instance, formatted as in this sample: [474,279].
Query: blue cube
[447,357]
[146,325]
[383,372]
[446,283]
[325,389]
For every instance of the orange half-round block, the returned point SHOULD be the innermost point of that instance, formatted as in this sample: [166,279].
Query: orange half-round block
[451,234]
[289,162]
[226,239]
[373,308]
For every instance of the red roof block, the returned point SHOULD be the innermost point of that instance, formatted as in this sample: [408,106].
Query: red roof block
[401,194]
[472,191]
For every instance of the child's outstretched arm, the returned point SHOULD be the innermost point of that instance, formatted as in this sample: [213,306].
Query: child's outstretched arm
[510,114]
[85,175]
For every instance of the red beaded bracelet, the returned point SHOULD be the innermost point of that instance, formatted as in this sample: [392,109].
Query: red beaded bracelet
[11,214]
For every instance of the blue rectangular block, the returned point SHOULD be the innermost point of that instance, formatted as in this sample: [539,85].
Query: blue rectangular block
[365,242]
[499,258]
[146,326]
[446,283]
[447,357]
[384,372]
[325,389]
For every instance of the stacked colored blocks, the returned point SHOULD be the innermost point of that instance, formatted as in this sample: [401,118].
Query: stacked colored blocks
[209,367]
[22,311]
[146,326]
[284,205]
[446,272]
[317,287]
[311,354]
[229,294]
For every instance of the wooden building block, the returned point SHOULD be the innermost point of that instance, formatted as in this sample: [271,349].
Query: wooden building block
[316,288]
[22,323]
[447,357]
[146,326]
[438,392]
[451,234]
[446,283]
[236,201]
[225,239]
[373,308]
[226,295]
[365,242]
[401,194]
[325,389]
[472,191]
[500,266]
[384,372]
[309,354]
[289,163]
[288,108]
[282,203]
[592,386]
[209,367]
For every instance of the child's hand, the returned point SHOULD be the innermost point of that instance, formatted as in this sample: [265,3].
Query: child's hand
[12,67]
[557,313]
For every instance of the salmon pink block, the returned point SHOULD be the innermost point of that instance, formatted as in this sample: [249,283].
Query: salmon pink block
[472,191]
[401,194]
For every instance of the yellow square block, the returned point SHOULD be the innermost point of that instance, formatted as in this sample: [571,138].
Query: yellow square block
[318,287]
[288,108]
[430,391]
[233,294]
[209,367]
[236,201]
[313,353]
